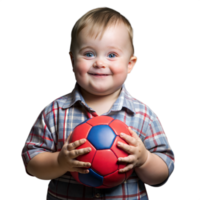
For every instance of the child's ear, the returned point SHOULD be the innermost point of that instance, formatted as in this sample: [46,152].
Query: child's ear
[72,58]
[131,63]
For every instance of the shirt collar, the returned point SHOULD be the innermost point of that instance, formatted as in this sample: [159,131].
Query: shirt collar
[125,100]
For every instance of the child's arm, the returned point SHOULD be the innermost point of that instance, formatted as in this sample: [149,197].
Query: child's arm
[154,171]
[49,165]
[45,166]
[150,168]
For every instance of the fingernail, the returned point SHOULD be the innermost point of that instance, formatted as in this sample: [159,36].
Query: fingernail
[122,134]
[119,143]
[89,149]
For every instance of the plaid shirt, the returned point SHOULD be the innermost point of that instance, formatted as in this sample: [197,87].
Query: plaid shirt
[58,120]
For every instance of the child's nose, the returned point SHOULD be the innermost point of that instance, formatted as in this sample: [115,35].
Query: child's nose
[99,64]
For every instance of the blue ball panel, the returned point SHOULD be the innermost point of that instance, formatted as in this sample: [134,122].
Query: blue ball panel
[101,137]
[91,179]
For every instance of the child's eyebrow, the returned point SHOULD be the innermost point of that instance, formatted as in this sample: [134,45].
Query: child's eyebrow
[109,47]
[113,47]
[87,47]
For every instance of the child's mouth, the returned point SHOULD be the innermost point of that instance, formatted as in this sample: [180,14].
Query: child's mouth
[99,74]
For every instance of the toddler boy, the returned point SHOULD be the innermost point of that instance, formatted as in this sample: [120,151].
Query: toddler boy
[102,56]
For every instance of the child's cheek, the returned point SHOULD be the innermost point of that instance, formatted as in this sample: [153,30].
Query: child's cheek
[82,66]
[118,68]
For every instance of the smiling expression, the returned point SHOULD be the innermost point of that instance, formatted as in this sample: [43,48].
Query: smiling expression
[101,65]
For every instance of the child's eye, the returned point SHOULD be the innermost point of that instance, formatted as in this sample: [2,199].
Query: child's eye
[112,55]
[89,54]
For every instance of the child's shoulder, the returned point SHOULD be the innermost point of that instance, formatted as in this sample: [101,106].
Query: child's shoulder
[59,103]
[138,106]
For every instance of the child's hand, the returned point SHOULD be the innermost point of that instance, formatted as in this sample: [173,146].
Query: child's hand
[136,149]
[68,153]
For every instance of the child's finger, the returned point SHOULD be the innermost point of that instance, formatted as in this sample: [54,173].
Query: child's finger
[125,147]
[68,138]
[75,153]
[82,171]
[128,159]
[74,145]
[133,133]
[129,139]
[77,163]
[127,168]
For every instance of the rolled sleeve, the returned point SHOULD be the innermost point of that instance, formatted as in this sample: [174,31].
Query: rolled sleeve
[156,142]
[41,137]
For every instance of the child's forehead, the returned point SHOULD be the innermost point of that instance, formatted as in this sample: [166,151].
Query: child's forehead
[97,32]
[117,33]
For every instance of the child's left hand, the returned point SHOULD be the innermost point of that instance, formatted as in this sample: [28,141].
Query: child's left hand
[135,148]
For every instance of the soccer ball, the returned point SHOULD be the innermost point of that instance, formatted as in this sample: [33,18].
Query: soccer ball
[101,134]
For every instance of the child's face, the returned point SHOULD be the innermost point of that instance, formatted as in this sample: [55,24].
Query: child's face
[101,65]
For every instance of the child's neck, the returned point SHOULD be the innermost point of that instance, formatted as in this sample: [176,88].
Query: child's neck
[95,100]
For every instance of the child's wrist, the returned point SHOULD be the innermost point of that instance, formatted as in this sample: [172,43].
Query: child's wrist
[146,161]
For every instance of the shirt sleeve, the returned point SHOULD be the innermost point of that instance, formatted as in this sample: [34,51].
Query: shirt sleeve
[41,138]
[156,142]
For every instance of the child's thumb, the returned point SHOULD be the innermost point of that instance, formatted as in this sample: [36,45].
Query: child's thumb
[68,138]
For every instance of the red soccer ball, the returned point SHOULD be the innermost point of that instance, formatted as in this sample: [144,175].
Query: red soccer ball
[101,134]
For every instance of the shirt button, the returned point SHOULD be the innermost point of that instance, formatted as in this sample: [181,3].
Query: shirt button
[97,195]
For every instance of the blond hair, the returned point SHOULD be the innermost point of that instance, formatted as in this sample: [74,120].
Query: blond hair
[98,20]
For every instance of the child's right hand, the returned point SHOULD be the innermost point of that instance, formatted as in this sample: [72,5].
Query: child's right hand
[68,153]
